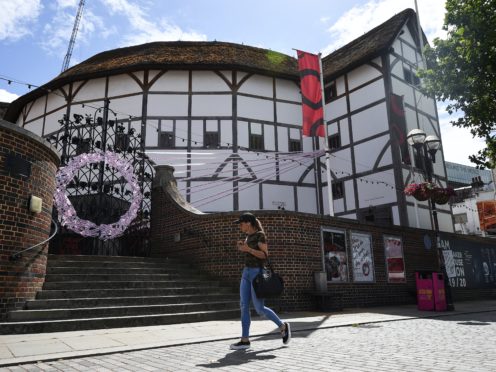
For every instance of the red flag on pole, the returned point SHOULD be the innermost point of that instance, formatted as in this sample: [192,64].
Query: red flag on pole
[311,94]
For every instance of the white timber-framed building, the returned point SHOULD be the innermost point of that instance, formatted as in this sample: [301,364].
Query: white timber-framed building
[228,118]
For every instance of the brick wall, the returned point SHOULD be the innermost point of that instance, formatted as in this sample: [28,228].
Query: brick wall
[19,228]
[208,242]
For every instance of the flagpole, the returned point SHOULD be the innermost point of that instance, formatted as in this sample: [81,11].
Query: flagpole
[326,142]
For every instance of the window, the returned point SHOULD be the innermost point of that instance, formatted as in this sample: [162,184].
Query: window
[211,140]
[337,190]
[411,77]
[294,145]
[334,142]
[167,140]
[256,142]
[330,92]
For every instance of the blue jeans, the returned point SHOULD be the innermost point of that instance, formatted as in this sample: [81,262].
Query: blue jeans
[247,294]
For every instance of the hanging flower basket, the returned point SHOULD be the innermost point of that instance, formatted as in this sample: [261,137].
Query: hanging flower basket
[442,195]
[420,191]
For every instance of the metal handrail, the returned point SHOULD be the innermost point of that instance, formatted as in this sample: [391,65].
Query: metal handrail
[18,255]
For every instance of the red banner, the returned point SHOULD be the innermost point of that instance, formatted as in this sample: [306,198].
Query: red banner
[311,94]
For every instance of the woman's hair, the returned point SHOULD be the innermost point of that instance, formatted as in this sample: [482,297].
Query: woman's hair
[258,225]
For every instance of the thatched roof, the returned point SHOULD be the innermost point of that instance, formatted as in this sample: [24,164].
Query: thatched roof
[368,46]
[218,56]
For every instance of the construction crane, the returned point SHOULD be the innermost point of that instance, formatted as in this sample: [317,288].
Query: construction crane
[67,57]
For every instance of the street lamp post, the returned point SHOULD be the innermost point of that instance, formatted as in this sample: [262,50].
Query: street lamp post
[426,147]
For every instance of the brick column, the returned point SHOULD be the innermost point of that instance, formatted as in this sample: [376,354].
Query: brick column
[27,168]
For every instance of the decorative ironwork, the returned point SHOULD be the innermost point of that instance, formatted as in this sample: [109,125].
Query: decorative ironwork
[98,192]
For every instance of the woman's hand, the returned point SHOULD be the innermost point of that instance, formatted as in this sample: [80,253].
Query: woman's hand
[242,246]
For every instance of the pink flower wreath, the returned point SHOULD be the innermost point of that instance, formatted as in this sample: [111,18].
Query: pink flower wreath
[67,214]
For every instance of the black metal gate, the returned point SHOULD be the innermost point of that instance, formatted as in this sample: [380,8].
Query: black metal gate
[98,192]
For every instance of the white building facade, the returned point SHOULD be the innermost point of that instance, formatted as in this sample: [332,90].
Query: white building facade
[227,117]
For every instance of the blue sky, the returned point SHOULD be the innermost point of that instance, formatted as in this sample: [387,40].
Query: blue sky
[34,34]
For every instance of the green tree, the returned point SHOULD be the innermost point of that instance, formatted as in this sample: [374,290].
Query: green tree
[462,71]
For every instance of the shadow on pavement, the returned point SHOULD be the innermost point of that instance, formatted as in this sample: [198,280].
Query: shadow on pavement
[239,357]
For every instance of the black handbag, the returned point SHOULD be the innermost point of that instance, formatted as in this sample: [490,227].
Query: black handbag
[268,284]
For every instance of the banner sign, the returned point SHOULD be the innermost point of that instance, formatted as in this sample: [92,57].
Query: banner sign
[311,94]
[468,264]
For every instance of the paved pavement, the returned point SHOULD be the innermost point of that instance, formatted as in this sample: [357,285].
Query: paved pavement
[374,339]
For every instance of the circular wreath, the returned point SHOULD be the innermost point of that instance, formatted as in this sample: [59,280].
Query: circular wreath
[67,214]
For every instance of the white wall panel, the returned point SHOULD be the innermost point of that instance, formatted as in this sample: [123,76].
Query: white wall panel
[349,191]
[367,153]
[361,75]
[407,36]
[37,109]
[254,108]
[52,122]
[411,119]
[35,126]
[207,200]
[211,105]
[338,205]
[426,104]
[151,133]
[397,68]
[368,94]
[396,215]
[196,133]
[289,113]
[128,105]
[55,102]
[397,46]
[282,139]
[340,85]
[172,81]
[249,197]
[93,89]
[372,194]
[258,85]
[344,130]
[226,133]
[208,81]
[273,194]
[287,90]
[402,89]
[269,137]
[122,84]
[181,132]
[306,200]
[409,54]
[445,222]
[243,133]
[369,122]
[167,105]
[335,109]
[341,161]
[423,216]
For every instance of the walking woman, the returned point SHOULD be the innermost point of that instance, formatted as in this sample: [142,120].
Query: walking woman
[255,247]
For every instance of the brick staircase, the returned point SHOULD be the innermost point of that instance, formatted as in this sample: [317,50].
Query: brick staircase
[96,292]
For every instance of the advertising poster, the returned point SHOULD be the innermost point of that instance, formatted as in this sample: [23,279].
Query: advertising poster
[469,264]
[361,255]
[335,257]
[395,262]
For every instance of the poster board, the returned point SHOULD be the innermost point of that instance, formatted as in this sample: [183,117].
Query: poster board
[361,257]
[395,262]
[335,257]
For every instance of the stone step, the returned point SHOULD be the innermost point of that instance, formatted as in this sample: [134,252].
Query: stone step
[115,322]
[129,292]
[119,277]
[129,284]
[119,259]
[117,270]
[118,311]
[64,303]
[110,264]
